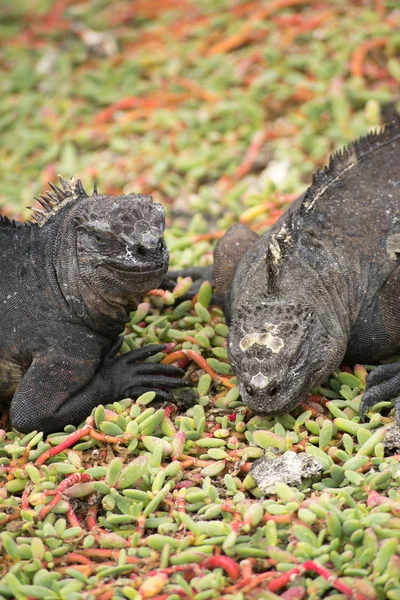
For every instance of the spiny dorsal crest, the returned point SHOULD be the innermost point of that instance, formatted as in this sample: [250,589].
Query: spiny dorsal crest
[276,250]
[51,202]
[6,222]
[347,158]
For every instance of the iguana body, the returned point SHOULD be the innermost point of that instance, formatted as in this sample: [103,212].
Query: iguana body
[322,285]
[68,282]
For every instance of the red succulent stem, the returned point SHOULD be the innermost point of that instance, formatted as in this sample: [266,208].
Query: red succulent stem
[67,443]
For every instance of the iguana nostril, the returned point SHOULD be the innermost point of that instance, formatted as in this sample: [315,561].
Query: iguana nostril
[272,389]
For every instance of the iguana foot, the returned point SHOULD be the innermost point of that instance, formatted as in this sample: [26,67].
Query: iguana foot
[135,377]
[382,384]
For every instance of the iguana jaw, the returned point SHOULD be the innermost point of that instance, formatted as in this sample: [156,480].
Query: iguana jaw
[129,269]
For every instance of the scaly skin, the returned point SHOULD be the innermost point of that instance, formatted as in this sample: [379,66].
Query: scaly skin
[69,281]
[322,285]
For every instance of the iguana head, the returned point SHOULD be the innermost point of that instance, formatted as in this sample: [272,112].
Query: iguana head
[279,350]
[115,243]
[122,237]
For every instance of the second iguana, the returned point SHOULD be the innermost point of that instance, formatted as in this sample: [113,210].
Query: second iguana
[322,285]
[68,282]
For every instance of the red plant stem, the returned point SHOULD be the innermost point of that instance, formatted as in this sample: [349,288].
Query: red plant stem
[192,461]
[76,557]
[109,439]
[213,235]
[360,53]
[25,500]
[178,592]
[174,356]
[226,382]
[268,222]
[380,7]
[245,32]
[45,511]
[168,410]
[198,359]
[106,595]
[67,443]
[8,518]
[183,484]
[91,519]
[140,525]
[282,519]
[251,154]
[72,518]
[178,569]
[311,565]
[106,114]
[86,570]
[223,562]
[294,593]
[250,582]
[246,568]
[195,356]
[52,19]
[67,482]
[156,292]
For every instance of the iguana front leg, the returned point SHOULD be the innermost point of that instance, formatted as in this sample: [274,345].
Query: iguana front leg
[62,388]
[383,383]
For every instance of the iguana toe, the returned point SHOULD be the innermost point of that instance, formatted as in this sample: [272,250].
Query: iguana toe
[382,384]
[143,352]
[382,373]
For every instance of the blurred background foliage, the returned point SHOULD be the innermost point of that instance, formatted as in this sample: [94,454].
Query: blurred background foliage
[212,106]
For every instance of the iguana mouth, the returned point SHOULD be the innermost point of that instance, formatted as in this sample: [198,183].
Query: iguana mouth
[133,269]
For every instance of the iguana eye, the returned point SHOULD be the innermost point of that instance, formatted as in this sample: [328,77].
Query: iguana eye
[99,239]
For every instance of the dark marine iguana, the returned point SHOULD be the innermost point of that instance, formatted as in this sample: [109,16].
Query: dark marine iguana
[69,279]
[322,285]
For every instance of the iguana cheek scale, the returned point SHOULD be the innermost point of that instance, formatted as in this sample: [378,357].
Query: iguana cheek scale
[69,281]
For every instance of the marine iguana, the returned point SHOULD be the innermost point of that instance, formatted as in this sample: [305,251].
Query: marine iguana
[322,285]
[69,279]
